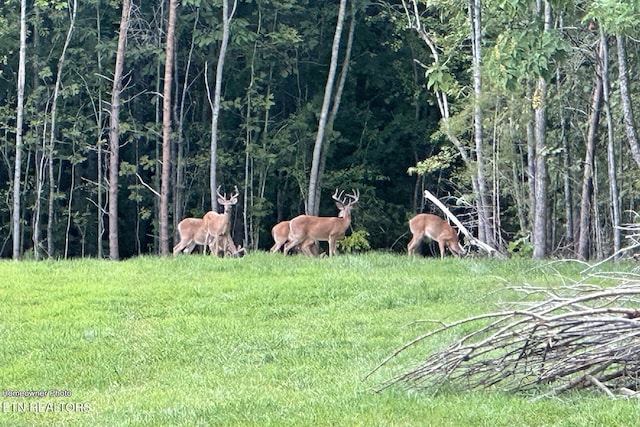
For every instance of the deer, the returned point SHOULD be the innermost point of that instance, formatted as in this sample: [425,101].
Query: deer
[218,226]
[434,228]
[304,230]
[280,234]
[192,232]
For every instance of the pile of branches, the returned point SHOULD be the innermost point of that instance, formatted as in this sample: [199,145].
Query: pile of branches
[582,336]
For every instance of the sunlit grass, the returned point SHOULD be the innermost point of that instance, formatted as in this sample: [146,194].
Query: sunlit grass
[262,340]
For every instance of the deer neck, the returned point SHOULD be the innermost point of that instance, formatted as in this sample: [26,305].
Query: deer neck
[345,218]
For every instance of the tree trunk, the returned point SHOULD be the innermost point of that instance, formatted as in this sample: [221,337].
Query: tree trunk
[17,173]
[314,184]
[99,150]
[486,231]
[227,16]
[336,100]
[114,132]
[587,179]
[540,132]
[52,135]
[611,156]
[166,130]
[627,110]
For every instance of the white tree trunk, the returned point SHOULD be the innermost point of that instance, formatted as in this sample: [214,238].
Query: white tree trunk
[17,173]
[52,135]
[114,132]
[314,184]
[611,155]
[227,16]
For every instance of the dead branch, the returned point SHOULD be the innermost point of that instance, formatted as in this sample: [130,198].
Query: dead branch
[581,336]
[472,240]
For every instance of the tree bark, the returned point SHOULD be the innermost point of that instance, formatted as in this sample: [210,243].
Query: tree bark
[17,172]
[627,109]
[227,16]
[314,184]
[611,155]
[336,100]
[486,231]
[587,179]
[166,130]
[52,135]
[540,133]
[114,132]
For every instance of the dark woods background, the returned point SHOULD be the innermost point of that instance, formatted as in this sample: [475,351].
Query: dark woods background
[272,90]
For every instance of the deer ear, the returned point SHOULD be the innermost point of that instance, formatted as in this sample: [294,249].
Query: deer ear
[340,205]
[221,201]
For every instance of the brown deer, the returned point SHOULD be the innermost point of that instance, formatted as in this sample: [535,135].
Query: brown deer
[280,234]
[192,232]
[434,228]
[218,226]
[304,230]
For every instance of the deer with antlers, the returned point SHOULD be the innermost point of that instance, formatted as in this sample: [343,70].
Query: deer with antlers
[218,225]
[212,230]
[305,230]
[435,228]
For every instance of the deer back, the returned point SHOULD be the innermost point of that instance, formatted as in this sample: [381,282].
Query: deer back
[193,229]
[318,227]
[280,231]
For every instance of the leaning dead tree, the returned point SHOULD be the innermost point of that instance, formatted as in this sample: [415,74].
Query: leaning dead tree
[470,239]
[583,336]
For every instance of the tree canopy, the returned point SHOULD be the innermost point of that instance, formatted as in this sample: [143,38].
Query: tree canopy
[411,115]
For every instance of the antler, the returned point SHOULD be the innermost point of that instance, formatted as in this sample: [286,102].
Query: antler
[340,199]
[355,196]
[222,198]
[337,197]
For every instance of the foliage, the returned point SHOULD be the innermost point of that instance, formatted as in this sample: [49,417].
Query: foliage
[355,243]
[617,17]
[388,123]
[521,247]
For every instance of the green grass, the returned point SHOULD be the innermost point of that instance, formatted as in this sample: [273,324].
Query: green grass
[265,340]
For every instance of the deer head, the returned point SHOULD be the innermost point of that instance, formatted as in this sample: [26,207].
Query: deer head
[435,228]
[219,225]
[304,230]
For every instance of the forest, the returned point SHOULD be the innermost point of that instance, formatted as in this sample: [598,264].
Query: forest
[120,118]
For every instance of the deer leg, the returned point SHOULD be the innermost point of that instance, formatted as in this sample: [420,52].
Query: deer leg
[441,244]
[229,246]
[332,246]
[414,244]
[305,247]
[177,248]
[216,245]
[291,244]
[277,246]
[190,247]
[181,245]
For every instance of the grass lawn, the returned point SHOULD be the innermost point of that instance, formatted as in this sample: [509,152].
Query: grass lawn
[265,340]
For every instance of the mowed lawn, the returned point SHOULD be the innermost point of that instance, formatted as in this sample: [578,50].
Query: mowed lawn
[265,340]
